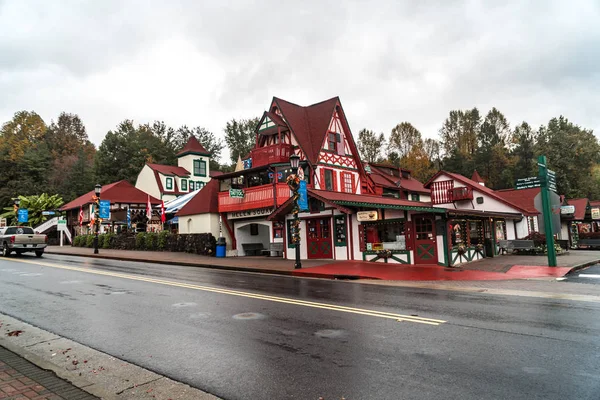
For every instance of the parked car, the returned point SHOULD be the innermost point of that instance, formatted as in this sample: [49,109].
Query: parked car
[21,239]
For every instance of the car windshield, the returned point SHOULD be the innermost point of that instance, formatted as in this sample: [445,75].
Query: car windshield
[19,230]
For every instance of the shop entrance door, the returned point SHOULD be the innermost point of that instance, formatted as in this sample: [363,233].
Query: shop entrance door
[318,238]
[425,246]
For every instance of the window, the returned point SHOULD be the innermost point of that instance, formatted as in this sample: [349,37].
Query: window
[468,233]
[199,168]
[332,142]
[254,229]
[277,230]
[199,185]
[389,235]
[169,183]
[347,182]
[329,185]
[184,185]
[415,197]
[191,186]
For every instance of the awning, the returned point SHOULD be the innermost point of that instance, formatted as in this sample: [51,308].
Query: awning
[391,206]
[177,204]
[484,214]
[174,220]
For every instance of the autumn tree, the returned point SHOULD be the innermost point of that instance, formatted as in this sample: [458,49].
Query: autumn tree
[523,151]
[370,145]
[433,151]
[240,136]
[403,138]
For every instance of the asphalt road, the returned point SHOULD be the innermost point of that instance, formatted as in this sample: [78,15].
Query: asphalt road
[589,275]
[252,336]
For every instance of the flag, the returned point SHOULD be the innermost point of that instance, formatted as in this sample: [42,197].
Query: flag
[149,210]
[163,216]
[128,218]
[92,215]
[80,215]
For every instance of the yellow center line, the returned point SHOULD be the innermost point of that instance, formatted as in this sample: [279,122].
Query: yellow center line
[333,307]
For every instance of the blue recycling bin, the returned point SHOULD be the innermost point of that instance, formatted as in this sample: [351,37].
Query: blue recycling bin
[221,247]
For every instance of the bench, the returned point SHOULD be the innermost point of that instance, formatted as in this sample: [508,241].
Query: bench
[276,249]
[588,242]
[513,245]
[252,249]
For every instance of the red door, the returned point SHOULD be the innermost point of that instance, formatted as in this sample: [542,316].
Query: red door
[425,246]
[318,238]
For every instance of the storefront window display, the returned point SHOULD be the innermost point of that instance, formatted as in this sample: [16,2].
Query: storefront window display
[500,230]
[385,235]
[466,232]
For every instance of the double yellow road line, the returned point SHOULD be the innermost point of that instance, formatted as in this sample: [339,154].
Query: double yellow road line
[276,299]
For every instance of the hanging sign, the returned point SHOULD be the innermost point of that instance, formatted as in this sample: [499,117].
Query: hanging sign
[567,209]
[367,216]
[61,225]
[302,197]
[236,193]
[528,183]
[595,213]
[104,209]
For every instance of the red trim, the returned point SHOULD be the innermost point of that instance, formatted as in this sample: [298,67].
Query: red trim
[231,231]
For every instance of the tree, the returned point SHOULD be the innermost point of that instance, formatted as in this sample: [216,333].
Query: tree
[432,149]
[370,145]
[524,138]
[418,162]
[209,141]
[459,131]
[240,136]
[404,137]
[35,205]
[492,155]
[25,130]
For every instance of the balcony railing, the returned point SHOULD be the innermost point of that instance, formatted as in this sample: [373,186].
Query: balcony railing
[277,153]
[461,193]
[254,197]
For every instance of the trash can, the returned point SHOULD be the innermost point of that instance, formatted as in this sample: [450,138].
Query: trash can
[221,247]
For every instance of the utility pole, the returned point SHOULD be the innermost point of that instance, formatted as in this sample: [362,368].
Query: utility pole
[547,210]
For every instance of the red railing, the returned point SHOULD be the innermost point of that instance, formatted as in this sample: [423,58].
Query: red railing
[444,192]
[254,197]
[461,193]
[276,153]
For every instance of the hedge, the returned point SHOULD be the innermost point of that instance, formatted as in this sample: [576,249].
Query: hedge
[199,243]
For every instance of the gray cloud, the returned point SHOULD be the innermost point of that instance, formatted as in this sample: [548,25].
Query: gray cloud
[203,63]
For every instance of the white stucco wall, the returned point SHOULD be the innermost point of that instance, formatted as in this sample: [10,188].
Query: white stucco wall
[242,233]
[187,162]
[203,223]
[424,197]
[510,229]
[522,229]
[564,230]
[146,182]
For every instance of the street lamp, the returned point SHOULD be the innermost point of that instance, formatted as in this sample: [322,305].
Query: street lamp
[97,190]
[293,182]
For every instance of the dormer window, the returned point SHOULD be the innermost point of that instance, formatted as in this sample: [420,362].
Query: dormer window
[169,183]
[332,141]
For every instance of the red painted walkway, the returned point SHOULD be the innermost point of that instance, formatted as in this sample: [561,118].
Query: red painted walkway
[400,272]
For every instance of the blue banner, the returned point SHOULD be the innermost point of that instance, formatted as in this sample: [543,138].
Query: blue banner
[104,209]
[128,218]
[23,215]
[303,196]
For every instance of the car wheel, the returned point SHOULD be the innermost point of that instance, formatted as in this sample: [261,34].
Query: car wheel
[5,250]
[38,254]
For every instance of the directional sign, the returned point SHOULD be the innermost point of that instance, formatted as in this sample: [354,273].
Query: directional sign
[23,215]
[104,209]
[528,183]
[62,225]
[48,212]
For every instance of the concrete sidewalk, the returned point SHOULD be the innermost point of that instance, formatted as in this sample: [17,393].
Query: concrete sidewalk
[498,268]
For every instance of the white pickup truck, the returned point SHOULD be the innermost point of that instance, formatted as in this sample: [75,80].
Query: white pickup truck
[21,239]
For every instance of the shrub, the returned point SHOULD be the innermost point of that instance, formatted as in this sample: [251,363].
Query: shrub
[163,238]
[77,241]
[101,238]
[89,241]
[150,241]
[108,238]
[139,241]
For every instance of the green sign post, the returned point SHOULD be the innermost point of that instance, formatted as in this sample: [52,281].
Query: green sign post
[548,180]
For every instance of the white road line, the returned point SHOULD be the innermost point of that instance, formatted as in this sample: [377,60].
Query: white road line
[597,276]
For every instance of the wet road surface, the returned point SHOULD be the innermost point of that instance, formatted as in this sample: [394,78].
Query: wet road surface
[252,336]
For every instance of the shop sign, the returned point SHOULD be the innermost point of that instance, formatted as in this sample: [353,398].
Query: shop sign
[259,212]
[595,213]
[236,193]
[567,209]
[362,216]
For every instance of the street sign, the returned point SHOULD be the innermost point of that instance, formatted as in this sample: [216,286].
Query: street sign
[236,193]
[302,197]
[548,199]
[528,183]
[23,215]
[567,210]
[62,225]
[48,212]
[104,209]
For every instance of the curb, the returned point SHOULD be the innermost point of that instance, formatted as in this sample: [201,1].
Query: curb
[581,266]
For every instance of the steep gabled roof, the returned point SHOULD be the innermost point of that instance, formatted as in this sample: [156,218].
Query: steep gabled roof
[477,178]
[193,146]
[380,178]
[524,198]
[474,185]
[581,206]
[170,170]
[309,124]
[206,201]
[117,192]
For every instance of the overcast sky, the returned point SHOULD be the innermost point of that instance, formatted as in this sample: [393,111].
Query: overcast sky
[205,62]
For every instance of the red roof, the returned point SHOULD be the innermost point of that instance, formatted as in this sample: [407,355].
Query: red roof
[366,198]
[524,198]
[205,201]
[580,208]
[477,178]
[170,170]
[594,203]
[215,173]
[117,192]
[309,124]
[193,146]
[474,185]
[386,180]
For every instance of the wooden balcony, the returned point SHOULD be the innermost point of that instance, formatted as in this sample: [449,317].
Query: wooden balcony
[461,193]
[278,153]
[254,197]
